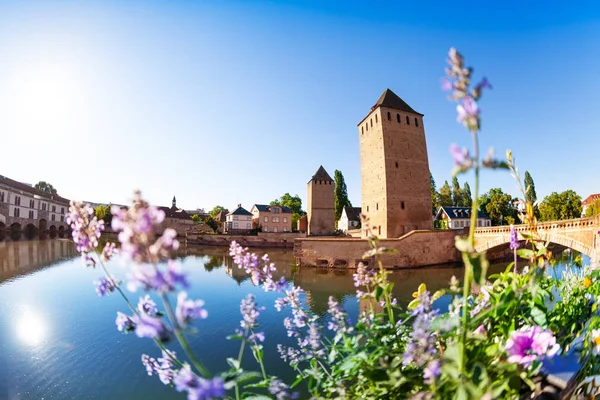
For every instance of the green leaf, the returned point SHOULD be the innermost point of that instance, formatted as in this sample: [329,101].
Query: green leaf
[461,393]
[234,337]
[233,363]
[479,263]
[378,293]
[247,376]
[539,317]
[525,253]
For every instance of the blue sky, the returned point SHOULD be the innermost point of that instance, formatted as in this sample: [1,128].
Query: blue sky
[226,102]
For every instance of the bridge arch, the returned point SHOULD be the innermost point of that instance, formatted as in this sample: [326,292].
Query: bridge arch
[43,225]
[16,227]
[552,237]
[2,226]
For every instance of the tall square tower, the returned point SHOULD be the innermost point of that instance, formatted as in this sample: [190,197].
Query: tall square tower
[396,194]
[321,214]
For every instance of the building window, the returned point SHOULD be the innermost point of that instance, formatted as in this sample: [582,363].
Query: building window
[53,208]
[375,118]
[367,208]
[371,122]
[402,205]
[16,212]
[275,219]
[398,118]
[30,203]
[389,116]
[43,206]
[235,225]
[248,226]
[362,130]
[2,196]
[62,218]
[277,210]
[52,217]
[274,229]
[377,206]
[284,219]
[407,120]
[235,217]
[266,228]
[367,126]
[266,219]
[379,230]
[30,214]
[396,164]
[416,122]
[62,210]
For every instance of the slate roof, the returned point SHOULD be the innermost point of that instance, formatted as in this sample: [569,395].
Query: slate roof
[321,175]
[460,213]
[590,199]
[174,212]
[31,190]
[390,99]
[240,211]
[265,207]
[353,213]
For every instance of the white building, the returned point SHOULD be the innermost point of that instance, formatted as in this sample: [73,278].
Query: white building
[458,218]
[350,219]
[238,221]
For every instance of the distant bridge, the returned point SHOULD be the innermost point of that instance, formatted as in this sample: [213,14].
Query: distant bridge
[578,234]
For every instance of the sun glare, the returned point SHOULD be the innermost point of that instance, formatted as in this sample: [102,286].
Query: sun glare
[30,327]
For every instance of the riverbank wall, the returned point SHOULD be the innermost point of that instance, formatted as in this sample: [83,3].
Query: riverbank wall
[263,239]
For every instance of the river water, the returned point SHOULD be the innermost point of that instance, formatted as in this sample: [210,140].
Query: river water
[58,339]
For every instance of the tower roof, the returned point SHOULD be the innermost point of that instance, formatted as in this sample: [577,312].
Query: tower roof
[321,175]
[390,99]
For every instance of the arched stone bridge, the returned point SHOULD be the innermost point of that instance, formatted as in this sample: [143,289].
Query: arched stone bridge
[578,234]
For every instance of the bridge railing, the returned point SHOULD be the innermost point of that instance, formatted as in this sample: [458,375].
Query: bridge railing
[577,223]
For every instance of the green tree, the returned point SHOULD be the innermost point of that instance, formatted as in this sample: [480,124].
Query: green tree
[558,206]
[294,203]
[467,197]
[593,209]
[445,195]
[217,209]
[457,193]
[212,223]
[45,187]
[530,194]
[195,218]
[103,213]
[435,196]
[499,206]
[341,194]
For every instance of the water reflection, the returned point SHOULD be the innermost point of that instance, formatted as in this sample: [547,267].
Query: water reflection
[23,257]
[30,326]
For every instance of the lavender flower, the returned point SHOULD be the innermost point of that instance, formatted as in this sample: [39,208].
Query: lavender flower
[421,347]
[250,312]
[362,278]
[198,389]
[109,250]
[161,367]
[260,269]
[528,344]
[150,327]
[147,306]
[105,286]
[280,390]
[432,371]
[85,230]
[338,321]
[289,354]
[137,229]
[150,277]
[514,238]
[187,310]
[124,322]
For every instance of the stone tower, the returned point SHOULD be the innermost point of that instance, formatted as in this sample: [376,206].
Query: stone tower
[396,194]
[321,215]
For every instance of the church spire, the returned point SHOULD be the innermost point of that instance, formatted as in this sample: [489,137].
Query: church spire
[174,202]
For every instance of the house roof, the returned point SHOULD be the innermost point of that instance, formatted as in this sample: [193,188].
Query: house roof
[31,190]
[321,175]
[174,212]
[222,216]
[460,213]
[390,99]
[266,207]
[590,199]
[353,213]
[240,211]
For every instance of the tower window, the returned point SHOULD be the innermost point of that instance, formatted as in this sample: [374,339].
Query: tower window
[375,118]
[396,164]
[377,206]
[402,205]
[379,230]
[398,118]
[362,130]
[371,122]
[367,125]
[416,122]
[367,208]
[407,120]
[389,116]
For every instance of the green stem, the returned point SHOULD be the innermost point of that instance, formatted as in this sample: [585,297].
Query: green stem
[135,311]
[181,338]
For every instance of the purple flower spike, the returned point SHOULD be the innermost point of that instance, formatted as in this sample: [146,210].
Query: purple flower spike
[188,310]
[460,156]
[529,344]
[105,286]
[447,85]
[514,238]
[147,306]
[198,389]
[124,322]
[150,327]
[86,230]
